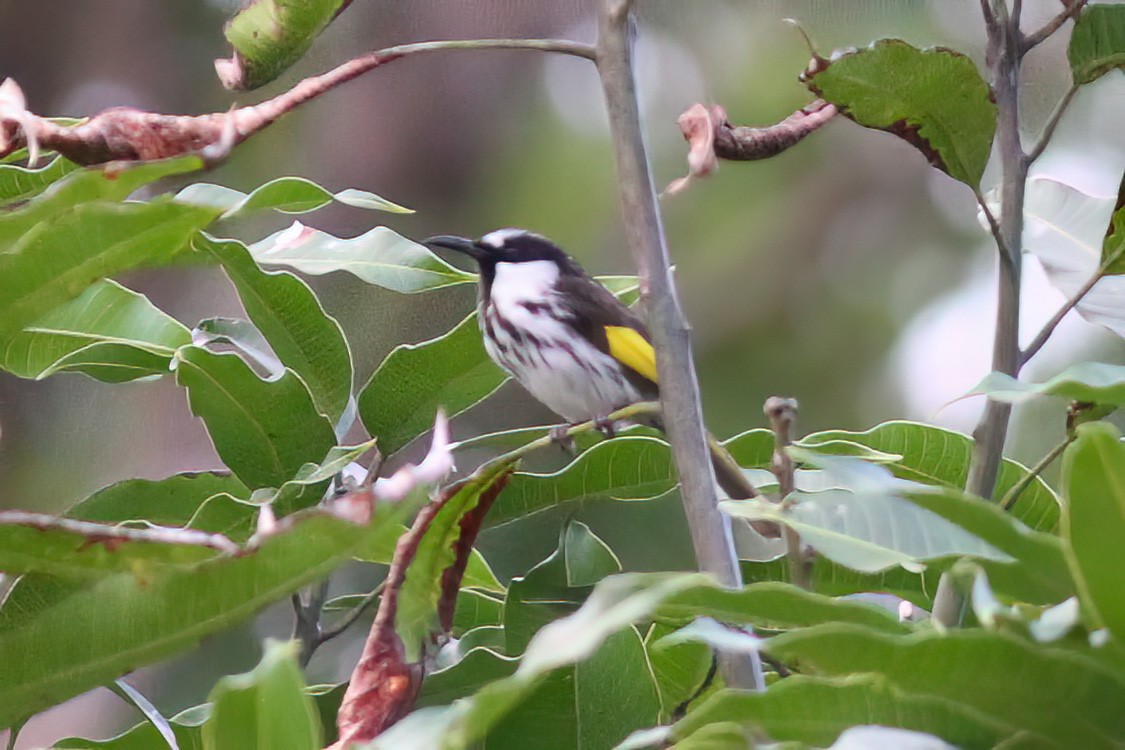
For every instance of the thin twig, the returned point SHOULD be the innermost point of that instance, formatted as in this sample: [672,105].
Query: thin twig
[1012,495]
[993,225]
[1038,37]
[782,414]
[1049,327]
[306,620]
[679,387]
[1052,123]
[345,622]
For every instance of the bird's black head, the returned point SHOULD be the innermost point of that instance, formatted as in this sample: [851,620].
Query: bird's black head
[506,246]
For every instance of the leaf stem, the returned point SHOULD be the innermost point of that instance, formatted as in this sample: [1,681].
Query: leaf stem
[353,614]
[679,388]
[1052,123]
[1049,327]
[782,414]
[1012,495]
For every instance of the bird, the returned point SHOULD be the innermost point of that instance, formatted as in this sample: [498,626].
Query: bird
[564,337]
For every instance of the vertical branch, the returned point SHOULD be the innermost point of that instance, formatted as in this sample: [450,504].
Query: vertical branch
[993,426]
[683,415]
[1005,54]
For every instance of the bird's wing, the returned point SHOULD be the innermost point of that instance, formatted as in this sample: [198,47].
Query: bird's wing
[609,325]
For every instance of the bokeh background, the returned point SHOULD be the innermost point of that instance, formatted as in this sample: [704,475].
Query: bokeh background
[846,272]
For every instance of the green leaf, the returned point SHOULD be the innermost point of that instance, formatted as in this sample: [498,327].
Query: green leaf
[476,609]
[37,543]
[815,710]
[475,670]
[270,35]
[243,336]
[679,670]
[266,707]
[264,431]
[934,99]
[868,532]
[380,257]
[625,468]
[207,501]
[1093,382]
[289,195]
[556,586]
[1113,246]
[417,616]
[120,622]
[57,259]
[940,457]
[999,676]
[1097,44]
[108,332]
[22,183]
[1094,522]
[185,727]
[772,606]
[1037,573]
[100,185]
[452,372]
[305,338]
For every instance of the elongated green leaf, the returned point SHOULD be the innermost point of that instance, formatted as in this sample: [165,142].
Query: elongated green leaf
[940,457]
[122,622]
[264,431]
[934,99]
[772,606]
[56,260]
[625,468]
[107,332]
[1094,523]
[206,501]
[1000,676]
[289,195]
[1037,572]
[1094,382]
[93,184]
[680,670]
[815,710]
[417,617]
[21,183]
[305,338]
[37,543]
[452,372]
[869,532]
[266,707]
[380,257]
[1097,44]
[270,35]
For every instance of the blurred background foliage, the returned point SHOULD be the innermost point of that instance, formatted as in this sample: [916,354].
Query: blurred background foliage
[845,273]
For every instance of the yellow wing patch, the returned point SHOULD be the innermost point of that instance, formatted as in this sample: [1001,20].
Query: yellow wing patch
[630,349]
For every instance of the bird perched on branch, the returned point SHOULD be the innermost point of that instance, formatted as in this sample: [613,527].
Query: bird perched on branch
[564,337]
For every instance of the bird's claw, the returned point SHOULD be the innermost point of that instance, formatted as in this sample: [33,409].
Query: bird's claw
[606,426]
[560,436]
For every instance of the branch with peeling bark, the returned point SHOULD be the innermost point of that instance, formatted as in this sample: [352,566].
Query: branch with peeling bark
[711,136]
[127,134]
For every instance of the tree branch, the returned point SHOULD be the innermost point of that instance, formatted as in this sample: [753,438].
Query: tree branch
[1036,38]
[1052,123]
[1005,55]
[1012,495]
[683,415]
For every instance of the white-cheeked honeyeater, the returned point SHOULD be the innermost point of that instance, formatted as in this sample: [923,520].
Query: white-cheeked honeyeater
[563,336]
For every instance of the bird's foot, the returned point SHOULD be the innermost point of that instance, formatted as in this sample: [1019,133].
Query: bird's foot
[606,426]
[560,436]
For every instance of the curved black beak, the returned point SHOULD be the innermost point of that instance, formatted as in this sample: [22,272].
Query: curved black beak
[458,244]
